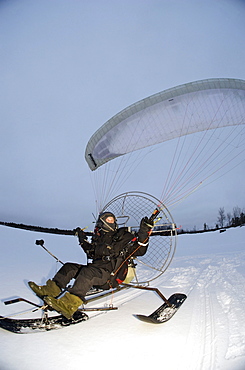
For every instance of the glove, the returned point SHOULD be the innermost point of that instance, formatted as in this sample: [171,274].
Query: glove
[80,234]
[146,224]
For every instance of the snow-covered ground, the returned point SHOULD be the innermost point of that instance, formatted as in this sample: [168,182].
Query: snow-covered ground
[208,332]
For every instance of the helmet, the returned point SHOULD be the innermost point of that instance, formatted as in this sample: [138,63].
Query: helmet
[104,224]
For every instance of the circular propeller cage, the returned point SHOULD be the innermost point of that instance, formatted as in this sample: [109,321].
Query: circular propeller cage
[129,208]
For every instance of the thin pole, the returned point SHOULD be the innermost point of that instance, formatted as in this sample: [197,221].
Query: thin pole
[41,242]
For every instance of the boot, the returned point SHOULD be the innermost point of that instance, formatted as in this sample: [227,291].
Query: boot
[50,289]
[66,305]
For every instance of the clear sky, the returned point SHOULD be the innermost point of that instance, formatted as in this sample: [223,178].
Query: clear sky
[66,67]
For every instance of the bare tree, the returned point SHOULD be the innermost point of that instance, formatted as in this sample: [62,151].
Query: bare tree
[221,217]
[229,219]
[236,212]
[236,216]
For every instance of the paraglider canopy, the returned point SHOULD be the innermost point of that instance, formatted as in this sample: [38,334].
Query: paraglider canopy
[176,112]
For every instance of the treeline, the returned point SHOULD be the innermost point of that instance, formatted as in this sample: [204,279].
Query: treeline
[236,218]
[224,221]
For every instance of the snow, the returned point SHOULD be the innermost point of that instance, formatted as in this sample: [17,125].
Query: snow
[208,331]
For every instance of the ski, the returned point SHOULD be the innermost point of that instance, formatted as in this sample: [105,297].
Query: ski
[26,326]
[166,311]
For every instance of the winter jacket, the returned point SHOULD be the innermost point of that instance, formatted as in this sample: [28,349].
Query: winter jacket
[109,250]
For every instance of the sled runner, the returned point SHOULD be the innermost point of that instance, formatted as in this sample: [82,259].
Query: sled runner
[164,312]
[26,326]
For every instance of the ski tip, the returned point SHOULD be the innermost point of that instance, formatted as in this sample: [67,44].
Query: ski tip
[146,319]
[178,296]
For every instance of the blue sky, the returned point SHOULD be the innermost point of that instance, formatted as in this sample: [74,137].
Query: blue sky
[66,67]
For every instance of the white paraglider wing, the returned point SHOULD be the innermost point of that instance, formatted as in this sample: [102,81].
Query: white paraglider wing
[183,110]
